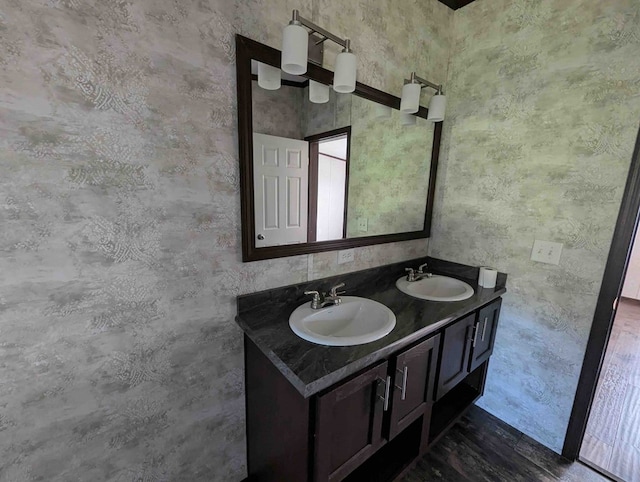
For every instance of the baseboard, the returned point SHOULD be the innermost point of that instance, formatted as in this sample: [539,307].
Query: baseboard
[600,470]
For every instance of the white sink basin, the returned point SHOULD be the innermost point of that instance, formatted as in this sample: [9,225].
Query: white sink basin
[436,288]
[353,322]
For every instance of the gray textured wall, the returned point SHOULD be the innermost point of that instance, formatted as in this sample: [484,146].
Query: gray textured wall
[119,247]
[544,110]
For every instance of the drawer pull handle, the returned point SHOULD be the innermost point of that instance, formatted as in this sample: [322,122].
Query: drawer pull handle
[405,375]
[387,388]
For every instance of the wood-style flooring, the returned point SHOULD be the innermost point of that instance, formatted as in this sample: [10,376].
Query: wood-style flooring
[612,440]
[483,448]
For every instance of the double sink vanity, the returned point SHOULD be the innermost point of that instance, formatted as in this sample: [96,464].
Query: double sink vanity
[355,385]
[360,385]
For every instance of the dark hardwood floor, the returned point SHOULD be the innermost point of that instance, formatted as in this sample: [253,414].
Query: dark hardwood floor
[483,448]
[612,439]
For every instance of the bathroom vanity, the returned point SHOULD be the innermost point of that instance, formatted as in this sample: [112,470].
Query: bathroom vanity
[362,412]
[355,412]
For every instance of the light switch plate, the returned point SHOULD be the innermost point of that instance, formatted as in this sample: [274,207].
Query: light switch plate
[546,252]
[363,225]
[346,256]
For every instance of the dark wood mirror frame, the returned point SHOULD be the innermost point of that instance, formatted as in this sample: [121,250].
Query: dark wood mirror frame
[246,50]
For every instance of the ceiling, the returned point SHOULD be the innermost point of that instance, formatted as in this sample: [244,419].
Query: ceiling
[456,4]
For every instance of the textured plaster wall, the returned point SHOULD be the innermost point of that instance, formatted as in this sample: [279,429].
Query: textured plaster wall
[120,235]
[544,109]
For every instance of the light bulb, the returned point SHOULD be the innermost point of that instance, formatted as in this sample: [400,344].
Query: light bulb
[344,79]
[437,107]
[410,101]
[295,43]
[269,78]
[318,93]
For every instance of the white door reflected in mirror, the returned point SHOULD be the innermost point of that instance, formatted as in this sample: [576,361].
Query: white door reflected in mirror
[281,178]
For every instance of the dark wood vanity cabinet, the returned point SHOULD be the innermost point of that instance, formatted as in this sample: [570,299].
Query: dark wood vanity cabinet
[456,348]
[484,334]
[465,349]
[349,424]
[374,424]
[413,373]
[355,418]
[466,345]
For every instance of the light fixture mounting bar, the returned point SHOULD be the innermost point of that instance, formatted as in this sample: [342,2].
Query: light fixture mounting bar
[425,83]
[297,19]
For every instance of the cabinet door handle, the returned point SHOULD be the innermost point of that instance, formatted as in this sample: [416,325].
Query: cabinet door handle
[475,335]
[484,328]
[387,389]
[405,375]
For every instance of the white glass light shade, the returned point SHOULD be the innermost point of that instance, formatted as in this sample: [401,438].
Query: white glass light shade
[295,43]
[410,101]
[383,111]
[437,107]
[407,119]
[318,93]
[269,77]
[344,79]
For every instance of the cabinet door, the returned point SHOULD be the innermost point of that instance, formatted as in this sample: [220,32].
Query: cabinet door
[414,372]
[349,424]
[484,334]
[454,360]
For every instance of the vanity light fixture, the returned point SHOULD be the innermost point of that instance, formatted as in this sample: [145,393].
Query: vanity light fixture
[269,77]
[410,101]
[295,45]
[318,93]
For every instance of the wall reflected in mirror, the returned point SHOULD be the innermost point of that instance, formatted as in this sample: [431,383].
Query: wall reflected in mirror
[390,169]
[339,167]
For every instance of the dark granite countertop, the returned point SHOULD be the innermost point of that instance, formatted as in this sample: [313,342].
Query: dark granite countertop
[264,317]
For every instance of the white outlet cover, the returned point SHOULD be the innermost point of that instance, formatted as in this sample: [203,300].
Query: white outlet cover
[363,225]
[546,252]
[346,256]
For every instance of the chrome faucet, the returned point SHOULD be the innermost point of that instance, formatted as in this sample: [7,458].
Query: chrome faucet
[322,300]
[412,275]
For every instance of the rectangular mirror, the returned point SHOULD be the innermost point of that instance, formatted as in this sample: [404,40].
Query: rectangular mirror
[323,171]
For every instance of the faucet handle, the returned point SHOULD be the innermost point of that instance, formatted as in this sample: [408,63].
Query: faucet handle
[411,276]
[315,302]
[421,268]
[334,291]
